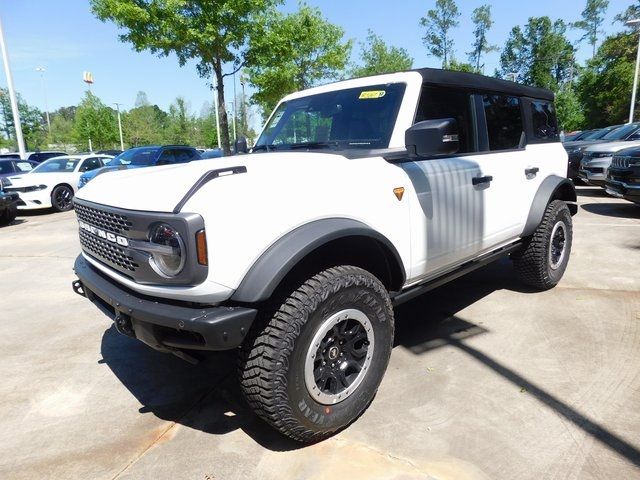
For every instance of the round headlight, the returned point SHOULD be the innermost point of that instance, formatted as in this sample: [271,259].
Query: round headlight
[168,260]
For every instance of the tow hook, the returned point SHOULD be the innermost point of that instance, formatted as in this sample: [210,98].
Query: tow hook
[78,288]
[123,325]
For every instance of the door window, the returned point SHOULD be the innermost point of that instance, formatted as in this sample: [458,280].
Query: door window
[544,122]
[504,121]
[168,157]
[91,164]
[438,102]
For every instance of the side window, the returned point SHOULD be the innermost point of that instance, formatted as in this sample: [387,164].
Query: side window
[167,158]
[438,102]
[184,155]
[504,121]
[23,167]
[90,164]
[544,122]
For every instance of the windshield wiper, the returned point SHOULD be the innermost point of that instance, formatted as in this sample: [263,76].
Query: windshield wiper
[313,145]
[266,147]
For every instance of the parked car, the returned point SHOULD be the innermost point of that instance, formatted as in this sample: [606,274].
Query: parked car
[8,204]
[597,158]
[54,182]
[623,176]
[618,133]
[212,153]
[37,157]
[358,195]
[113,153]
[10,166]
[139,157]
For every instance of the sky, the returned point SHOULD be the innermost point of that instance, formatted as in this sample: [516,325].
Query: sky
[63,37]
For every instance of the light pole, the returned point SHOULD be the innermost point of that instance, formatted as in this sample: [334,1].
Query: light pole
[233,109]
[87,77]
[119,126]
[630,23]
[44,91]
[215,105]
[12,95]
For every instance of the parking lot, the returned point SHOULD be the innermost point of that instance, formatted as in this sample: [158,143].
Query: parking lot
[487,379]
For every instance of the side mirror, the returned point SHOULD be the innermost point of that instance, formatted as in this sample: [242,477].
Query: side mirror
[241,145]
[432,137]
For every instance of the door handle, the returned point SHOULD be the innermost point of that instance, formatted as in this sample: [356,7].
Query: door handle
[480,180]
[531,172]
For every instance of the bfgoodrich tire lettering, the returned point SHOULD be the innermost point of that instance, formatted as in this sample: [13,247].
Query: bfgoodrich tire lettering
[272,360]
[544,257]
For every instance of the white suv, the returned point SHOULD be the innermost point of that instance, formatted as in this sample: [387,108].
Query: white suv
[358,196]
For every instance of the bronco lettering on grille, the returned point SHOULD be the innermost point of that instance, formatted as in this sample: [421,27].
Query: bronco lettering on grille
[98,232]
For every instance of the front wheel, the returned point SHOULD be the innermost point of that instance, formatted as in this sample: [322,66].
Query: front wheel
[62,198]
[545,255]
[9,215]
[318,362]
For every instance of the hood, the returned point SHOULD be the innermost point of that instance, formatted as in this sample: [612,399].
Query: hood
[582,143]
[160,189]
[612,146]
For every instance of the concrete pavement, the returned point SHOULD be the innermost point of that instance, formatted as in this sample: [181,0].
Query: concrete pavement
[487,379]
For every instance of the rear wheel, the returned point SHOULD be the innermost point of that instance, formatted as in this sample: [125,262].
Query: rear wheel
[317,363]
[545,255]
[62,198]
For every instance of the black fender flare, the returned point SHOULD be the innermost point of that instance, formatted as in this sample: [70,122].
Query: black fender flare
[281,257]
[553,187]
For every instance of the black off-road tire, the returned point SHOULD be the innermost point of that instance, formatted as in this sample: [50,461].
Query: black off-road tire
[533,263]
[272,359]
[9,215]
[62,198]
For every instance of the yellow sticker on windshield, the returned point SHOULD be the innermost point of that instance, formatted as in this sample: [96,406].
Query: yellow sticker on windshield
[371,94]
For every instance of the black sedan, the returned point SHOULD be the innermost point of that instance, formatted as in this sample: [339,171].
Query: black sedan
[15,166]
[8,204]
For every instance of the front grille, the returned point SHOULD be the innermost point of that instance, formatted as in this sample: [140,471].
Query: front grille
[623,162]
[113,222]
[107,251]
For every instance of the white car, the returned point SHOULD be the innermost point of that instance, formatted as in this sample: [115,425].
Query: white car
[54,182]
[358,196]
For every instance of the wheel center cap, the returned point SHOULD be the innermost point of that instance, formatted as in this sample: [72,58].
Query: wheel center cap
[333,353]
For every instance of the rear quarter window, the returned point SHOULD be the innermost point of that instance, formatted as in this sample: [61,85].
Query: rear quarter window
[543,121]
[504,121]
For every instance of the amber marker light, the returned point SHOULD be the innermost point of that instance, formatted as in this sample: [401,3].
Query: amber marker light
[201,247]
[399,192]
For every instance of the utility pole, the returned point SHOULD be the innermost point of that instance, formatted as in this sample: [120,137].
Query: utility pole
[119,125]
[12,95]
[243,107]
[215,104]
[44,91]
[233,109]
[235,102]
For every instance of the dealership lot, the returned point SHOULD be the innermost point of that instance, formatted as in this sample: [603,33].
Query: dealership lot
[487,380]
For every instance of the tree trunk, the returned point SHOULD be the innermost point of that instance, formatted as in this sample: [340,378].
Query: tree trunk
[222,111]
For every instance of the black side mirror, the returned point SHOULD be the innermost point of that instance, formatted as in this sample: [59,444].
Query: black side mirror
[241,145]
[432,137]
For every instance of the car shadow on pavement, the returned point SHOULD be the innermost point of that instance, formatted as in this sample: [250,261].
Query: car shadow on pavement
[431,322]
[204,397]
[591,192]
[618,210]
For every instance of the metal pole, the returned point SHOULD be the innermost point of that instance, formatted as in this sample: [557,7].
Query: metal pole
[233,109]
[235,102]
[12,95]
[215,104]
[119,126]
[44,91]
[635,84]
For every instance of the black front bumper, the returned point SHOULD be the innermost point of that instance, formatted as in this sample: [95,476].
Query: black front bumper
[7,199]
[160,323]
[622,190]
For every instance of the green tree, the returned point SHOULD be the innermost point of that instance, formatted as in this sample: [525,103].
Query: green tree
[592,19]
[631,13]
[540,54]
[144,124]
[377,57]
[604,87]
[482,24]
[569,109]
[31,120]
[294,52]
[461,66]
[96,122]
[211,32]
[179,123]
[438,23]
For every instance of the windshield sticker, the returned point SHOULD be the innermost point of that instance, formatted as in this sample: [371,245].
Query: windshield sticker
[370,94]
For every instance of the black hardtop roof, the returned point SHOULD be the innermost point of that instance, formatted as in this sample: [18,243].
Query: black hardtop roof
[474,81]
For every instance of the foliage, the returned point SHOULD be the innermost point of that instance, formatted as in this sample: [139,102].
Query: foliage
[631,13]
[539,55]
[212,32]
[604,88]
[569,110]
[483,23]
[437,23]
[31,120]
[592,19]
[294,52]
[94,120]
[461,66]
[377,57]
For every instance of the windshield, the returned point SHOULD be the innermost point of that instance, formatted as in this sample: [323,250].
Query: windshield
[621,133]
[135,156]
[60,164]
[361,117]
